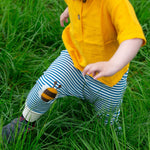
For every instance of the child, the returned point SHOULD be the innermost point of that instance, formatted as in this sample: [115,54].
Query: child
[102,38]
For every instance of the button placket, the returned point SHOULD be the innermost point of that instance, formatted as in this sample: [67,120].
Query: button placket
[79,18]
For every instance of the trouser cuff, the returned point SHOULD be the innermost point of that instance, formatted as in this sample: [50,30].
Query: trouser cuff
[30,115]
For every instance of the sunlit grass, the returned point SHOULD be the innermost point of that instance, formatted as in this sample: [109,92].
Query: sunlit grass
[30,39]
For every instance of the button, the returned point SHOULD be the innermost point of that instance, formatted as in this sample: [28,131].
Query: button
[84,1]
[78,16]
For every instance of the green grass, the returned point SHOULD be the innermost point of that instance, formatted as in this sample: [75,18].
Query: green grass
[30,39]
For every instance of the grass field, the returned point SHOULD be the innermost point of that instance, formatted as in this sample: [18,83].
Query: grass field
[30,39]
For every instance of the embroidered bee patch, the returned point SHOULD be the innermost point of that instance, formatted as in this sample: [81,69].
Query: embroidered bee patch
[50,93]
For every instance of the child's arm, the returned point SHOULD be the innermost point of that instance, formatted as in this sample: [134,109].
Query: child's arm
[125,53]
[64,17]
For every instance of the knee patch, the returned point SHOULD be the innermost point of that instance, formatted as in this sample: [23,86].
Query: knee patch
[49,93]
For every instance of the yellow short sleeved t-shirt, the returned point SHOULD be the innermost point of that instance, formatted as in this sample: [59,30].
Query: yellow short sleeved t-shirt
[96,29]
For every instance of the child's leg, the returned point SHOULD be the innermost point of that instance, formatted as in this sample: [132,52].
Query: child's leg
[35,106]
[107,100]
[61,70]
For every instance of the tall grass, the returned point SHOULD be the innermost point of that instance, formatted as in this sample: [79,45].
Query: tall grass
[30,39]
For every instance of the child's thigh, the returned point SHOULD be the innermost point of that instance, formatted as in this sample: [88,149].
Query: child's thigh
[106,99]
[63,71]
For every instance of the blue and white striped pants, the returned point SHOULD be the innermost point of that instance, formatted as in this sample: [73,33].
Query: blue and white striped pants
[106,100]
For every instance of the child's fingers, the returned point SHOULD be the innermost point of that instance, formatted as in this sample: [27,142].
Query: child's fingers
[62,19]
[94,73]
[62,24]
[86,69]
[90,69]
[66,19]
[99,75]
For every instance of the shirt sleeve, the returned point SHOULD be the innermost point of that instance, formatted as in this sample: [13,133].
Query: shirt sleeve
[124,20]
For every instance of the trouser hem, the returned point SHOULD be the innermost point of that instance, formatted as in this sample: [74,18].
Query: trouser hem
[30,115]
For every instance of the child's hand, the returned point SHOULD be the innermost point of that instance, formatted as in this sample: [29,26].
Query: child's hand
[99,69]
[64,17]
[124,54]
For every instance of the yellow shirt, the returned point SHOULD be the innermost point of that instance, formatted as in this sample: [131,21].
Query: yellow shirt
[97,28]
